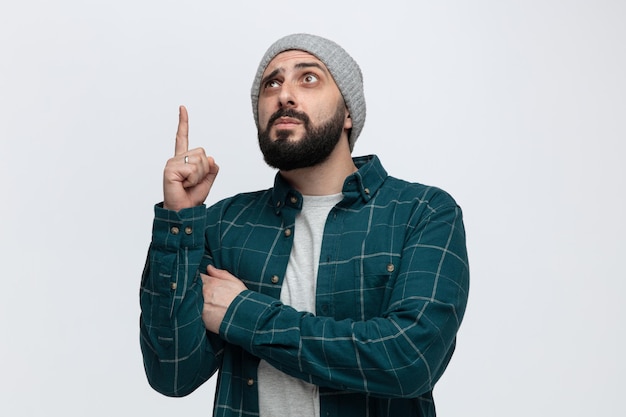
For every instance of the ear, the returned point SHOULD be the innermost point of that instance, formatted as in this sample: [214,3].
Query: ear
[347,123]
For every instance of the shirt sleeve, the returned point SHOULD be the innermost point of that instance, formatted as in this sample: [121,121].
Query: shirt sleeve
[179,354]
[400,354]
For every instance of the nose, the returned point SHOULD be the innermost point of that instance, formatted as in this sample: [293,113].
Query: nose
[286,98]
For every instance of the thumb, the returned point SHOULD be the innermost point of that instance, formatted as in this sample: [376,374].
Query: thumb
[218,273]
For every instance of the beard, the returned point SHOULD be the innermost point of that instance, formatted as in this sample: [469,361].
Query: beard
[312,149]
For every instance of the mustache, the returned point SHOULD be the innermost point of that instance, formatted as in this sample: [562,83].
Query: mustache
[288,113]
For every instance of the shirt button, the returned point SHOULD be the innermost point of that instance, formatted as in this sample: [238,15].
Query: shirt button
[278,204]
[275,279]
[287,232]
[293,199]
[367,191]
[390,268]
[188,230]
[173,285]
[250,382]
[174,230]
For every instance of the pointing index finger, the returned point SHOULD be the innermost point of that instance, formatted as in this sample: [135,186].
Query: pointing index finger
[182,134]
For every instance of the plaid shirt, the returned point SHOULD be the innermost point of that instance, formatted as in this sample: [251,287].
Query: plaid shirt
[391,293]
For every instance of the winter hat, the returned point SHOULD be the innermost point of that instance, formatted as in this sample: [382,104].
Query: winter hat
[342,66]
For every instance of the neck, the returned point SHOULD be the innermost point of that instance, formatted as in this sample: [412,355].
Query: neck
[325,178]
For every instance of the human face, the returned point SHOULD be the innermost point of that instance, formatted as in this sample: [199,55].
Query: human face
[299,106]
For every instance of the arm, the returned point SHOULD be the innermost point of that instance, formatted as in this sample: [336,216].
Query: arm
[400,354]
[178,355]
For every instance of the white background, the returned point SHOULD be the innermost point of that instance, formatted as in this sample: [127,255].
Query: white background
[517,108]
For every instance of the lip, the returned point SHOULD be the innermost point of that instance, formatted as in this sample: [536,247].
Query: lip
[286,122]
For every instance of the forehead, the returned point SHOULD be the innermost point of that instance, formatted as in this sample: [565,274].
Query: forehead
[289,59]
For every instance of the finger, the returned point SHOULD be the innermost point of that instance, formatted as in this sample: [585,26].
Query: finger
[206,167]
[217,273]
[182,134]
[205,279]
[196,156]
[210,167]
[191,168]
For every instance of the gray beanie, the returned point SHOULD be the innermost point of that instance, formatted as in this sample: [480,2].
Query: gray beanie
[343,68]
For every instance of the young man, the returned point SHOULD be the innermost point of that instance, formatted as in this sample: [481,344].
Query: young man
[338,292]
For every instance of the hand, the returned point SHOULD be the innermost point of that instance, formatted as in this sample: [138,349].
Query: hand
[189,175]
[219,289]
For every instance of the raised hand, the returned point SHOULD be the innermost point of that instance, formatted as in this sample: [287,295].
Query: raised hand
[189,175]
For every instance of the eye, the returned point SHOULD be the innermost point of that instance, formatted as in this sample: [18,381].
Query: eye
[310,78]
[272,84]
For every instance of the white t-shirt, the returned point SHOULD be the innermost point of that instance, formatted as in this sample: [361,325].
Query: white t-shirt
[279,393]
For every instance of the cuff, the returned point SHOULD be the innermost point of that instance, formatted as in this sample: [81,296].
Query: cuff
[172,230]
[248,313]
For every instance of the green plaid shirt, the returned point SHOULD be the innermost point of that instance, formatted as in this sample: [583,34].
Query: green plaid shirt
[391,293]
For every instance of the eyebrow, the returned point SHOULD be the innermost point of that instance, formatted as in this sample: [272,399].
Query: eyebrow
[310,65]
[300,65]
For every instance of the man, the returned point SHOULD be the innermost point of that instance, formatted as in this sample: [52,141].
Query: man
[338,292]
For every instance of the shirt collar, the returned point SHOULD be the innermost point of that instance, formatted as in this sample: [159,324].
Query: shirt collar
[361,185]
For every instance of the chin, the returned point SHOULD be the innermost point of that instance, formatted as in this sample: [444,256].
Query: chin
[286,136]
